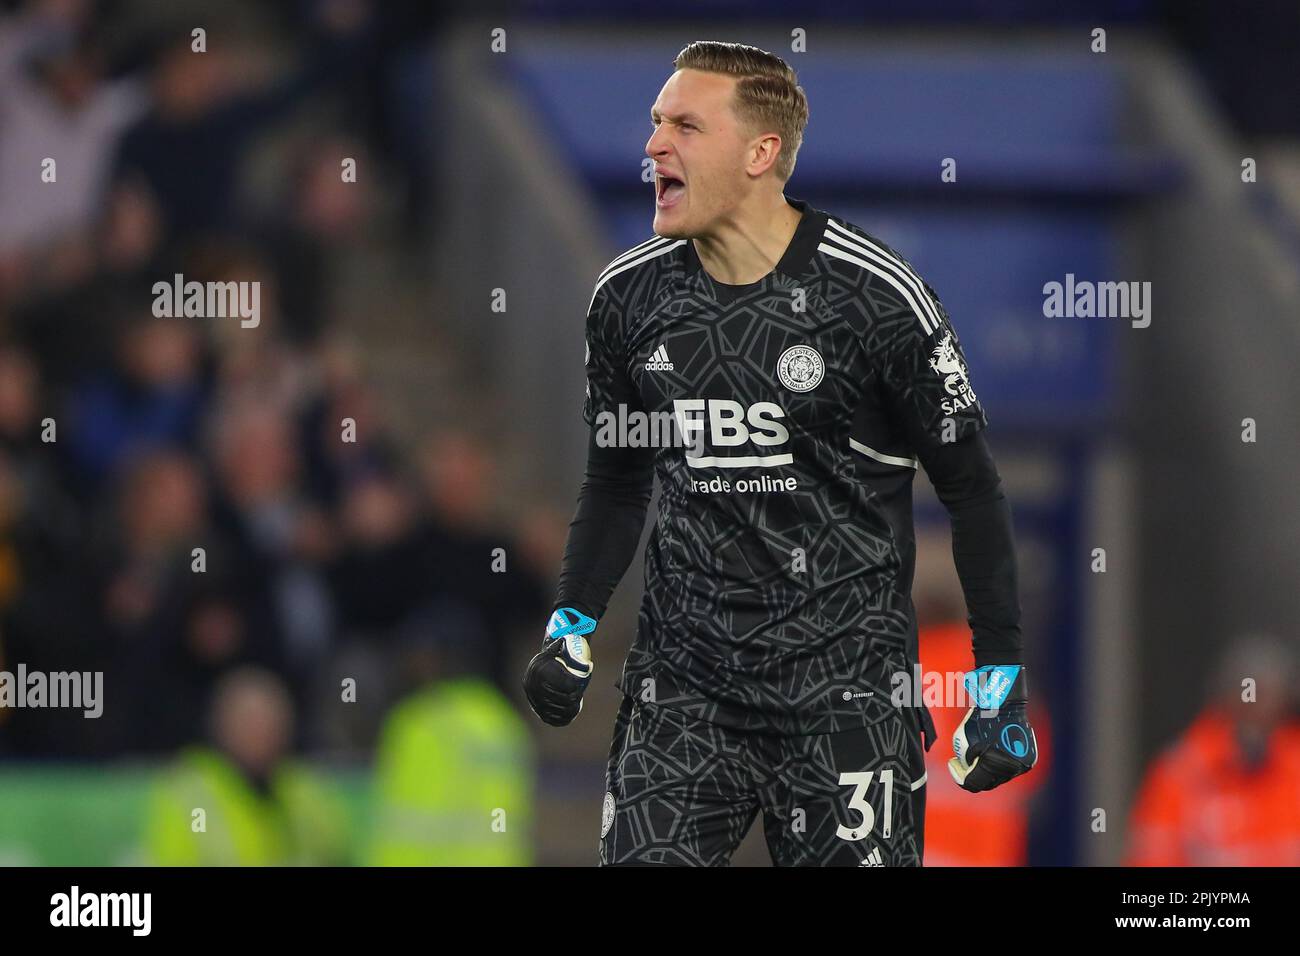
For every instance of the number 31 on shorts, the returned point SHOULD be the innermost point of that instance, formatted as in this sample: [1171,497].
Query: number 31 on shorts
[860,782]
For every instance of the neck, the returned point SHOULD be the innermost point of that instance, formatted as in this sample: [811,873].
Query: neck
[750,242]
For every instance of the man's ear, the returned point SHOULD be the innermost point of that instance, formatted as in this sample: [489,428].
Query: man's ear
[763,153]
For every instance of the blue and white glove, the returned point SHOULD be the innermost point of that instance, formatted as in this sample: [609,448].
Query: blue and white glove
[558,676]
[994,742]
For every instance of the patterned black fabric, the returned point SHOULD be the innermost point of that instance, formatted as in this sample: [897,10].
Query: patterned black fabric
[684,792]
[778,576]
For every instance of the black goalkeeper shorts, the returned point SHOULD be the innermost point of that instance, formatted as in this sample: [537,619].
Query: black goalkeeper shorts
[684,792]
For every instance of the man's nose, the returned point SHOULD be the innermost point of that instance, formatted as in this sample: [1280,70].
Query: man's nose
[657,144]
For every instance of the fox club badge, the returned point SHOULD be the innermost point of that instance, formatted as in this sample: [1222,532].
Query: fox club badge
[606,814]
[800,368]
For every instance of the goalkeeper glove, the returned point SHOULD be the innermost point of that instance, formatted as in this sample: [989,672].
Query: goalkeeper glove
[994,742]
[558,676]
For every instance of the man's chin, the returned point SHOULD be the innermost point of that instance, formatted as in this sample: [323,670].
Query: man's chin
[670,227]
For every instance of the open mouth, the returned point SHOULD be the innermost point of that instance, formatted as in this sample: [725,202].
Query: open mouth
[668,190]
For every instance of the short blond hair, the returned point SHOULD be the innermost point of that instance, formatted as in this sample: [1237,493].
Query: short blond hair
[768,94]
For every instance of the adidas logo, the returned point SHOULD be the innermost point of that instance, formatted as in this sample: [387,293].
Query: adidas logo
[659,361]
[873,858]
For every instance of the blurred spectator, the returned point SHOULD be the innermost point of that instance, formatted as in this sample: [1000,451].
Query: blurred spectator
[101,603]
[1228,792]
[37,518]
[242,801]
[346,403]
[161,517]
[153,396]
[177,622]
[473,556]
[132,230]
[55,105]
[304,236]
[205,631]
[400,107]
[381,573]
[188,152]
[10,562]
[454,774]
[255,364]
[282,531]
[19,401]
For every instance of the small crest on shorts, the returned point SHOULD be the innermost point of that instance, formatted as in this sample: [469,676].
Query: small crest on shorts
[606,814]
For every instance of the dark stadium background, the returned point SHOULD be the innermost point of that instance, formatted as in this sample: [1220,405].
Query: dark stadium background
[437,303]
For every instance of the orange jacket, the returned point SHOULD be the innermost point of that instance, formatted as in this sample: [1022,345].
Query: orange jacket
[972,829]
[1201,805]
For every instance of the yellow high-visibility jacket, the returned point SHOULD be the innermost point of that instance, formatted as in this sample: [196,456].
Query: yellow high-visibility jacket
[454,781]
[301,823]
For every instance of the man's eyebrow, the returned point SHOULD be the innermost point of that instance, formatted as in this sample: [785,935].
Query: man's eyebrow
[678,118]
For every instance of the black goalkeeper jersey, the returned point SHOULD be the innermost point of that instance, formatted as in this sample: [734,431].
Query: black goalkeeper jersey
[778,577]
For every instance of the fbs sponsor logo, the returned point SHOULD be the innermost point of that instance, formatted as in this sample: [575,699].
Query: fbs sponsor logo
[719,423]
[659,361]
[702,426]
[75,908]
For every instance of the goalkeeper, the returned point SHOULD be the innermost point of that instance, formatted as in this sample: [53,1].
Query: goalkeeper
[810,372]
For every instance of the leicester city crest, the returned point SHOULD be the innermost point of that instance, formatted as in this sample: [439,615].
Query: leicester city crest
[800,368]
[606,814]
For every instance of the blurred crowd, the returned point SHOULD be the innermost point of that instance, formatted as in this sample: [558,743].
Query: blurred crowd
[181,498]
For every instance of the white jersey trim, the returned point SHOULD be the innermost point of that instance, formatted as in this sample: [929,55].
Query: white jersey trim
[922,304]
[744,461]
[623,262]
[881,457]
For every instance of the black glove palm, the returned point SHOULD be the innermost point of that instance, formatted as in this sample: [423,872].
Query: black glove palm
[994,742]
[558,675]
[993,747]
